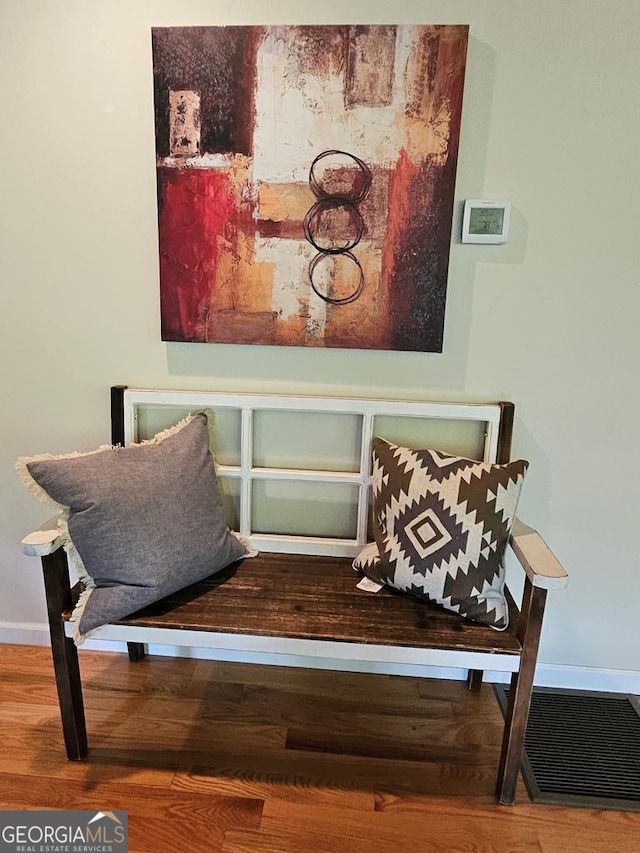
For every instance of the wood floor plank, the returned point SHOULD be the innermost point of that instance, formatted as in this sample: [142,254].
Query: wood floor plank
[171,836]
[153,771]
[31,659]
[38,688]
[187,735]
[424,748]
[432,831]
[286,706]
[222,812]
[120,731]
[406,736]
[310,681]
[545,819]
[337,772]
[248,776]
[592,840]
[311,841]
[147,677]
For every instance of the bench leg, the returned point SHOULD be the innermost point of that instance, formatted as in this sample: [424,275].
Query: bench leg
[65,655]
[529,631]
[136,651]
[474,679]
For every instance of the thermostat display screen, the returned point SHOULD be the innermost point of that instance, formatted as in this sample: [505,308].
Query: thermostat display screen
[486,220]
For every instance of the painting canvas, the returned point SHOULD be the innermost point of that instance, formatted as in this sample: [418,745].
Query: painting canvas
[305,182]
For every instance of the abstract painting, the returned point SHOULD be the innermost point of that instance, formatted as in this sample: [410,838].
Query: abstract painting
[305,182]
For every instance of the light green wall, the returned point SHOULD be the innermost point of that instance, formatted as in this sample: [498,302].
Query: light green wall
[549,321]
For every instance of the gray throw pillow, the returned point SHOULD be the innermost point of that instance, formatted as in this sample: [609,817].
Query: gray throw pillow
[140,522]
[441,525]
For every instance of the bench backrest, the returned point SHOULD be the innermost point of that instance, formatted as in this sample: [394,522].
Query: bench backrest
[295,471]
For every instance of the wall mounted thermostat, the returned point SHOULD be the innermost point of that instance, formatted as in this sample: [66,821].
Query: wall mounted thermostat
[485,221]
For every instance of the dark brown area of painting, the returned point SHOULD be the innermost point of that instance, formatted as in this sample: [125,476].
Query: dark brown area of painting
[344,181]
[320,50]
[426,78]
[375,207]
[418,283]
[219,64]
[334,225]
[286,230]
[370,66]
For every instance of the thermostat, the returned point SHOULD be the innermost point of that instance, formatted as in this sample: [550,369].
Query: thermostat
[485,221]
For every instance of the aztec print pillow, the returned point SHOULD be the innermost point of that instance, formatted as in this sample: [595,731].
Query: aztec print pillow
[139,522]
[441,525]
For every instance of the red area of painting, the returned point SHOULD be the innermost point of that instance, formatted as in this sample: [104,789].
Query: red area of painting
[197,221]
[396,262]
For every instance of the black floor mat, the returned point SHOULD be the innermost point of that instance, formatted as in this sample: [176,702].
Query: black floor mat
[582,748]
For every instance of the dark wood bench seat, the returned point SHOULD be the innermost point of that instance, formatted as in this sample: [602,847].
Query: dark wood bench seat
[316,598]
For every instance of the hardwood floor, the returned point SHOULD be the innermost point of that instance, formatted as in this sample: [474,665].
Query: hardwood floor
[236,758]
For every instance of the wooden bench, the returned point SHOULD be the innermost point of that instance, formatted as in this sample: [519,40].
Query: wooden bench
[298,597]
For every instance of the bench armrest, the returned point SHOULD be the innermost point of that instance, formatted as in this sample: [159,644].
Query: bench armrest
[536,558]
[45,540]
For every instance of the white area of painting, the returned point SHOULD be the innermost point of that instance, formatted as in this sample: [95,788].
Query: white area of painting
[290,270]
[290,120]
[291,294]
[204,161]
[317,318]
[184,122]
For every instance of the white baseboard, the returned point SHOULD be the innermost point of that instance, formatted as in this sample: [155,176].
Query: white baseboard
[547,675]
[579,678]
[24,633]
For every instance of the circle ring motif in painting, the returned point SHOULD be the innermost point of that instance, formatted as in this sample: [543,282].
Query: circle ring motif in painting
[335,256]
[357,193]
[337,198]
[313,225]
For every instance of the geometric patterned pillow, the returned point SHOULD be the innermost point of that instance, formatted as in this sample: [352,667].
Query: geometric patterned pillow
[441,526]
